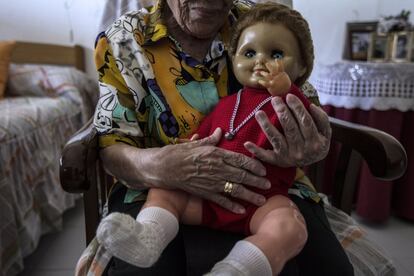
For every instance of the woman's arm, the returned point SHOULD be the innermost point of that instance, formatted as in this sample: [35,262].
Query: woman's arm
[196,167]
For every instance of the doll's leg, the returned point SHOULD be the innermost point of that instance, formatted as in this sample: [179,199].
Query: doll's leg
[141,241]
[278,234]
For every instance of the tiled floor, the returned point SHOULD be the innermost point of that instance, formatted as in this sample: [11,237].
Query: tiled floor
[396,236]
[57,253]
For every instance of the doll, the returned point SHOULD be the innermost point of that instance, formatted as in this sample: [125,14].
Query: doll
[272,54]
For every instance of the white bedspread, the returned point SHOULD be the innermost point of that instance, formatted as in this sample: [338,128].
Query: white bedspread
[33,130]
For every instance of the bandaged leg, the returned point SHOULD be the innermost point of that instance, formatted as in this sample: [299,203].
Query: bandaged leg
[139,242]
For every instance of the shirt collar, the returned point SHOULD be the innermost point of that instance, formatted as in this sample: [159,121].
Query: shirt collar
[155,29]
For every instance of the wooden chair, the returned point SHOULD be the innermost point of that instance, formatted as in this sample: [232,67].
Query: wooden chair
[82,172]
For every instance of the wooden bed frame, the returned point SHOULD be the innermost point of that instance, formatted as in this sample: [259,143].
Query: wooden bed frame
[41,53]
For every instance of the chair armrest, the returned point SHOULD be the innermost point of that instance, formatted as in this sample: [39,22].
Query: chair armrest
[78,160]
[385,156]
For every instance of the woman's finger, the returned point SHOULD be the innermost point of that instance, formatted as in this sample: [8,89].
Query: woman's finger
[321,120]
[243,162]
[226,203]
[306,125]
[293,136]
[195,137]
[240,192]
[211,140]
[236,168]
[262,154]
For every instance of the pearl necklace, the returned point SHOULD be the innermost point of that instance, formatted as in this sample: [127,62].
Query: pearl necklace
[229,135]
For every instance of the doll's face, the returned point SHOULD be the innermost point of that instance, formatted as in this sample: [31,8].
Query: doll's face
[262,43]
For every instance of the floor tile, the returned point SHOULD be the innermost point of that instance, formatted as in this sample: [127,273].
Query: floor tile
[407,265]
[60,251]
[396,237]
[74,217]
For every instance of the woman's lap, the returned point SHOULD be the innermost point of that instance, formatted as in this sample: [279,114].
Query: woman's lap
[322,254]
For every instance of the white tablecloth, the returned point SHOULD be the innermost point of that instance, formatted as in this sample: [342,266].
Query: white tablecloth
[365,85]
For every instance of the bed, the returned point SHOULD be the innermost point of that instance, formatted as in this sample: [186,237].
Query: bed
[47,98]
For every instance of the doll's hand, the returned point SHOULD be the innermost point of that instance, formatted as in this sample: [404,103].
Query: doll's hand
[276,81]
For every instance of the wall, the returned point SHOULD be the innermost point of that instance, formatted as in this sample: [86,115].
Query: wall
[50,21]
[327,20]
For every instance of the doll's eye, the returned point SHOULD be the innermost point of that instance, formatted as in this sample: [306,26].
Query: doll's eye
[277,54]
[250,53]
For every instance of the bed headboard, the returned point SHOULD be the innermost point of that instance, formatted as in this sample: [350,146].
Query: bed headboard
[30,52]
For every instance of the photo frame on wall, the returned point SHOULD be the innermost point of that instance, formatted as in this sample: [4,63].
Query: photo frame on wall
[402,44]
[379,50]
[412,47]
[358,39]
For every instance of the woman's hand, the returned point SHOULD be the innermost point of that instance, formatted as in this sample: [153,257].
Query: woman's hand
[201,169]
[306,136]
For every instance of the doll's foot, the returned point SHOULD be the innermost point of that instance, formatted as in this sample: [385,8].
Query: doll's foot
[227,269]
[129,240]
[243,260]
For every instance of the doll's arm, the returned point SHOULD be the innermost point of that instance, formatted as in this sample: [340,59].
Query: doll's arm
[276,81]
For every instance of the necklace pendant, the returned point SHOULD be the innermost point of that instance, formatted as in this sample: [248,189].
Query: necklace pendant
[229,135]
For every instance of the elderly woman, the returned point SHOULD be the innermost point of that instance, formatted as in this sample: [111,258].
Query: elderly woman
[160,73]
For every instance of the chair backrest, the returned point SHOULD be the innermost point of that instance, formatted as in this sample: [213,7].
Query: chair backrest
[82,172]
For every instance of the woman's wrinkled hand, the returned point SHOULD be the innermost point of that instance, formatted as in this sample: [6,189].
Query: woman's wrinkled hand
[306,138]
[201,169]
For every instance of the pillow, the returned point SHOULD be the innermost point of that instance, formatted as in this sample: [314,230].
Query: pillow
[6,49]
[38,80]
[41,80]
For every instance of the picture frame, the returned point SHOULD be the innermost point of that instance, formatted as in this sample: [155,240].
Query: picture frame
[402,46]
[412,47]
[358,37]
[380,47]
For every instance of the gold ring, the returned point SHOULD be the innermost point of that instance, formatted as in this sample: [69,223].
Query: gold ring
[228,187]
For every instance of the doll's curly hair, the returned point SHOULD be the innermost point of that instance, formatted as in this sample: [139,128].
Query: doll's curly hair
[277,13]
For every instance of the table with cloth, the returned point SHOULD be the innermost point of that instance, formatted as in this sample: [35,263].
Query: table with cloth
[379,95]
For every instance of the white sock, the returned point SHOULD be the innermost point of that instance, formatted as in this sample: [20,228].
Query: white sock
[139,242]
[244,259]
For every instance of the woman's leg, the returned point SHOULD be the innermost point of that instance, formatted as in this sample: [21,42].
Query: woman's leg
[322,253]
[278,234]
